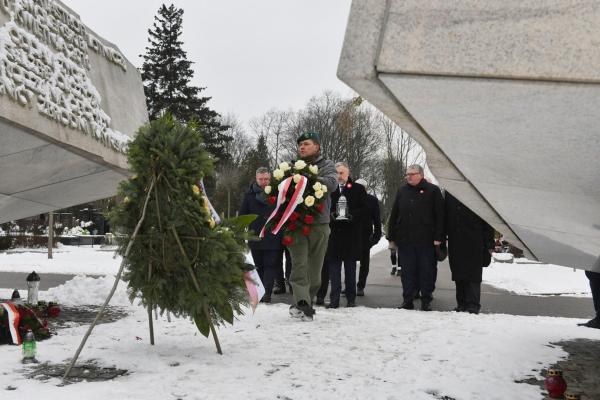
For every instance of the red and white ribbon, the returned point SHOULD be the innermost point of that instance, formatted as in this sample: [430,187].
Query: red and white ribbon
[13,321]
[283,188]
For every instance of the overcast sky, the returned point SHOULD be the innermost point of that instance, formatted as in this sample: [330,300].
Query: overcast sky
[250,55]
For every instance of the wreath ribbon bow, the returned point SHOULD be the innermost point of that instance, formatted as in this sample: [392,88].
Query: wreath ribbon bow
[283,188]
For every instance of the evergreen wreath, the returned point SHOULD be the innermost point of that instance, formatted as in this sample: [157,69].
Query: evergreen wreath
[180,261]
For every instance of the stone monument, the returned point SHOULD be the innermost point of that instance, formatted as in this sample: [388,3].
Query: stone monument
[69,104]
[504,98]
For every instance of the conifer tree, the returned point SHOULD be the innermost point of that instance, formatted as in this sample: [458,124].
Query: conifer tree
[167,76]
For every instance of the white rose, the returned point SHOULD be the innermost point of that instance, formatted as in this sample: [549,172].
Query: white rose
[324,188]
[297,178]
[299,200]
[299,165]
[310,201]
[317,186]
[313,169]
[284,166]
[268,189]
[319,194]
[278,174]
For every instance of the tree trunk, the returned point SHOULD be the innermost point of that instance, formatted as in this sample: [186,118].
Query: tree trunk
[50,233]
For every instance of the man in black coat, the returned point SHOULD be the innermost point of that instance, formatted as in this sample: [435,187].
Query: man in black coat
[371,233]
[470,244]
[265,252]
[416,226]
[344,246]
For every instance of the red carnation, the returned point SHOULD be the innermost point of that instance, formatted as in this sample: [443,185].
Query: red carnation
[309,219]
[287,240]
[306,230]
[272,200]
[292,226]
[295,215]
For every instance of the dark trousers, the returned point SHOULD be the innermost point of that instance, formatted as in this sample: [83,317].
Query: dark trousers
[335,276]
[322,292]
[267,263]
[468,295]
[419,271]
[365,258]
[594,278]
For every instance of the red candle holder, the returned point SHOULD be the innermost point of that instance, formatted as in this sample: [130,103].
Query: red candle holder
[555,383]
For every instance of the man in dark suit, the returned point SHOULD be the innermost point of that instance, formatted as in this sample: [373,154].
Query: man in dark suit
[416,226]
[344,246]
[470,243]
[265,252]
[371,233]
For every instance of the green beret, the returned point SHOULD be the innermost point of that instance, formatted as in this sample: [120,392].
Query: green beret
[314,136]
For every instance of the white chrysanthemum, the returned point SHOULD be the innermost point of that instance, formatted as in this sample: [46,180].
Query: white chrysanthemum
[319,194]
[284,166]
[300,164]
[268,189]
[278,174]
[313,169]
[297,178]
[309,201]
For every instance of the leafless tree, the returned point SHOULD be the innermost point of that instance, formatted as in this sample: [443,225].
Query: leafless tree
[273,125]
[241,143]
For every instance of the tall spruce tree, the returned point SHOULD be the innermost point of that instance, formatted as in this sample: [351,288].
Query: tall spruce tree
[167,74]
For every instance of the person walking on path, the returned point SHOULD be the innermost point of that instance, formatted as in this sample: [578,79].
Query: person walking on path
[470,244]
[371,233]
[416,226]
[265,252]
[308,252]
[345,241]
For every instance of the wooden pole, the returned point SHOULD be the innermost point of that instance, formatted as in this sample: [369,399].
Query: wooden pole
[197,285]
[114,288]
[50,233]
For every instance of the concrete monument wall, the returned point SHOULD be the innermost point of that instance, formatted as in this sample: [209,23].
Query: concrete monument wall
[503,96]
[69,104]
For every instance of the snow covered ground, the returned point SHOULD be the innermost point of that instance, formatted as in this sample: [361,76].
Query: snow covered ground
[535,279]
[343,354]
[66,260]
[521,276]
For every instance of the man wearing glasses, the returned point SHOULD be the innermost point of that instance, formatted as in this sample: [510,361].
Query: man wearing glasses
[416,226]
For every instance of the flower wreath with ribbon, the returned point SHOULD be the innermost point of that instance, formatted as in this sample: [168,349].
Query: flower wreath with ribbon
[298,197]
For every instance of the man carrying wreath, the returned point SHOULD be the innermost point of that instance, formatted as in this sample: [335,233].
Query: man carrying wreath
[308,251]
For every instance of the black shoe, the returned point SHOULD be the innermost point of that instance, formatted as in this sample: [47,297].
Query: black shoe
[472,311]
[307,310]
[351,304]
[344,291]
[266,299]
[407,305]
[332,305]
[459,309]
[592,323]
[425,306]
[360,292]
[399,272]
[320,302]
[393,271]
[279,289]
